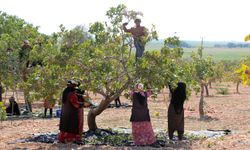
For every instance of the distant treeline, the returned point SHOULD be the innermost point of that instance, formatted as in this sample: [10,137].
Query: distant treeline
[185,45]
[233,45]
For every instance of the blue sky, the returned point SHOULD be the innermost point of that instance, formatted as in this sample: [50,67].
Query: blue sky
[215,20]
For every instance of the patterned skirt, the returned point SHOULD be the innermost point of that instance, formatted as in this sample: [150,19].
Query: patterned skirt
[143,133]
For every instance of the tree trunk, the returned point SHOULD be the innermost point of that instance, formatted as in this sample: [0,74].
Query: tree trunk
[26,93]
[201,104]
[95,112]
[237,87]
[103,105]
[210,84]
[1,92]
[27,102]
[206,87]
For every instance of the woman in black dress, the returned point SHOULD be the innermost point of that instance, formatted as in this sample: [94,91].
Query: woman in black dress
[175,110]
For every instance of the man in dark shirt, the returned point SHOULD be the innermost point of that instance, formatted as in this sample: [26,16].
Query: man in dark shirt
[24,53]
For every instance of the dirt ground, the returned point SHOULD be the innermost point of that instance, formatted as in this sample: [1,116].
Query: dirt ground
[231,111]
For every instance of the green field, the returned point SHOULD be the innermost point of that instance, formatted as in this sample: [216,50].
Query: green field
[221,53]
[216,53]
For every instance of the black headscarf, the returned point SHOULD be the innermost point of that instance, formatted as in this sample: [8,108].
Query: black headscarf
[68,89]
[178,96]
[66,92]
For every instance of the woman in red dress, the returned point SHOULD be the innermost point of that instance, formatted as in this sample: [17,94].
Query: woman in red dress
[71,120]
[142,130]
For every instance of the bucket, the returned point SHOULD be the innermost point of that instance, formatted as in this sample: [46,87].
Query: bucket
[58,112]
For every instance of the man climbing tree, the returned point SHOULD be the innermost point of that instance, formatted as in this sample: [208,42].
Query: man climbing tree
[24,53]
[138,32]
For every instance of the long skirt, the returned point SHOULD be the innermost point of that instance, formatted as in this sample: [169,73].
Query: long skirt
[71,137]
[143,133]
[66,137]
[175,122]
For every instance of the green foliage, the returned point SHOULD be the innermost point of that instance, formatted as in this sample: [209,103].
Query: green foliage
[222,90]
[155,93]
[47,81]
[74,38]
[3,114]
[108,137]
[172,47]
[203,67]
[118,139]
[13,31]
[106,65]
[187,74]
[115,15]
[234,71]
[98,30]
[225,71]
[100,58]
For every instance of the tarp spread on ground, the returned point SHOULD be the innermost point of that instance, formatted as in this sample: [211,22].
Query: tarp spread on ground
[122,137]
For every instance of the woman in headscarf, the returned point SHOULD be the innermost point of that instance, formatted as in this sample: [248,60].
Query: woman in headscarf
[142,130]
[13,108]
[71,120]
[175,110]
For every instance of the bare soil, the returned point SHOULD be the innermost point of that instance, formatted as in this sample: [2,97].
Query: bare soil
[231,111]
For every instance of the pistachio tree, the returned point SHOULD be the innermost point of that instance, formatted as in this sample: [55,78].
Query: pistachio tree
[203,71]
[107,66]
[103,59]
[13,31]
[56,54]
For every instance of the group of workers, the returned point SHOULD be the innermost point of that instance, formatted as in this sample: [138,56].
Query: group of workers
[71,120]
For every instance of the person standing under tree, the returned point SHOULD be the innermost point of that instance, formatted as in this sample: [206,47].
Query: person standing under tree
[138,32]
[118,102]
[71,120]
[49,103]
[176,111]
[142,130]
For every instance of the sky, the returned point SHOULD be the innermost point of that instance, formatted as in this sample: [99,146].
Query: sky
[214,20]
